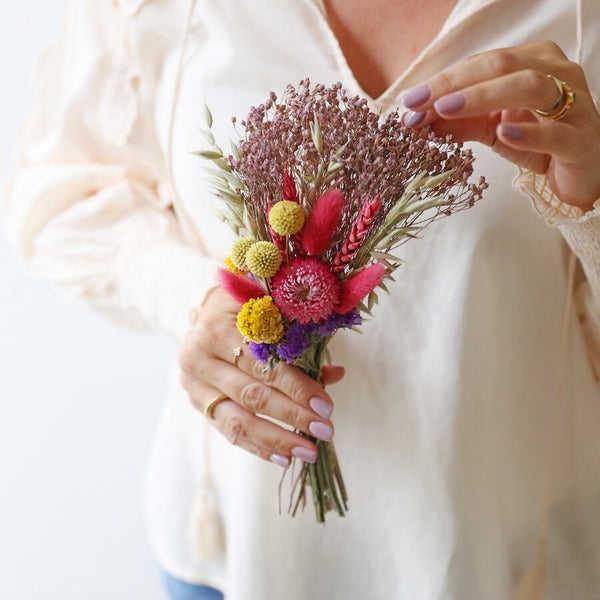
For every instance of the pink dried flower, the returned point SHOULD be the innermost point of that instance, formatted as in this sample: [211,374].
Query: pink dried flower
[289,188]
[306,290]
[240,288]
[357,287]
[322,222]
[377,156]
[357,236]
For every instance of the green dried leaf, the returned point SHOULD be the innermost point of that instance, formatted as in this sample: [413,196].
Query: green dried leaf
[208,154]
[431,182]
[235,150]
[207,117]
[317,136]
[385,256]
[208,136]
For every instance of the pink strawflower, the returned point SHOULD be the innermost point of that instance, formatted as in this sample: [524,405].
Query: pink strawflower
[240,288]
[357,287]
[322,222]
[306,290]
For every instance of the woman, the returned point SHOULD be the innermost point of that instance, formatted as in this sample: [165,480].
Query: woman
[456,457]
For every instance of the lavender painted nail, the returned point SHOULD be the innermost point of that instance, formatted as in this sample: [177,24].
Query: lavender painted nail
[452,103]
[321,407]
[413,118]
[416,96]
[282,461]
[304,454]
[321,431]
[511,131]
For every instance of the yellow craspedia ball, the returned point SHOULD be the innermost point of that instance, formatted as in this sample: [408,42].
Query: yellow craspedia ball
[286,217]
[231,267]
[263,259]
[238,252]
[260,321]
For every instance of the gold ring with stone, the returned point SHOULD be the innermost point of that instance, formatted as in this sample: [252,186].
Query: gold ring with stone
[237,352]
[564,103]
[210,407]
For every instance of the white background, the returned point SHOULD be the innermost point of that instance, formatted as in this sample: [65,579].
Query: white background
[79,401]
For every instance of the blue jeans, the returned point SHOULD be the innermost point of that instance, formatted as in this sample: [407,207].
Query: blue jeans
[180,590]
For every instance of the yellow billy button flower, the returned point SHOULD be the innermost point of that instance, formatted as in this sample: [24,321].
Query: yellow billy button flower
[238,252]
[231,267]
[260,321]
[286,217]
[263,259]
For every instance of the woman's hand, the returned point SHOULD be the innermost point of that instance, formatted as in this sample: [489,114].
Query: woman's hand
[283,393]
[488,98]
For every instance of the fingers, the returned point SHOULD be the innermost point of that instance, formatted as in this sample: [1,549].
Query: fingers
[287,379]
[484,67]
[558,139]
[255,434]
[332,374]
[527,88]
[310,416]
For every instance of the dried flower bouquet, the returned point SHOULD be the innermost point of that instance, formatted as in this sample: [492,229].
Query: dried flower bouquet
[321,191]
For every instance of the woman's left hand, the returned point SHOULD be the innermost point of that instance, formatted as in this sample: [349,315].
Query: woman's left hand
[489,97]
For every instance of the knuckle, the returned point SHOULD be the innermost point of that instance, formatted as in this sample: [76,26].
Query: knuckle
[280,444]
[187,358]
[254,397]
[502,62]
[184,379]
[233,429]
[294,417]
[445,82]
[268,376]
[551,48]
[532,79]
[297,390]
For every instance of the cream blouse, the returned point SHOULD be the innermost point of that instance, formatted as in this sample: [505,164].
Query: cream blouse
[445,424]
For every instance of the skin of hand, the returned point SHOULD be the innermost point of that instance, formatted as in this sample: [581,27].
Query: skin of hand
[283,393]
[488,98]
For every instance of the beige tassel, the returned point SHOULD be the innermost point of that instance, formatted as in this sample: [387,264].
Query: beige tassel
[532,584]
[207,531]
[208,540]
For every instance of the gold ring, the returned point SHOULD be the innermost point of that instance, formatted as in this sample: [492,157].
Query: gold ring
[237,352]
[563,104]
[210,407]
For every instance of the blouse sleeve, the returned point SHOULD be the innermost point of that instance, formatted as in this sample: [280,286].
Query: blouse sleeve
[582,233]
[90,206]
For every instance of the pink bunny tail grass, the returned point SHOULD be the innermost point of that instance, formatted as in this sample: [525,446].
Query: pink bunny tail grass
[357,234]
[322,222]
[278,240]
[240,288]
[357,287]
[289,190]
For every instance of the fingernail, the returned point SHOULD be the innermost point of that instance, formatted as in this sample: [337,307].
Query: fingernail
[305,454]
[282,461]
[450,104]
[416,96]
[511,131]
[321,430]
[413,118]
[321,407]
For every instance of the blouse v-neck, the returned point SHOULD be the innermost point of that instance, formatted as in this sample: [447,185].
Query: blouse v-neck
[463,10]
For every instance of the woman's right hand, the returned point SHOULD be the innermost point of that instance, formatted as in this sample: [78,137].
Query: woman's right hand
[283,393]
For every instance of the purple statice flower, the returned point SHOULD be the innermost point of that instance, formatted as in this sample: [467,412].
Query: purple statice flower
[295,342]
[261,352]
[337,321]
